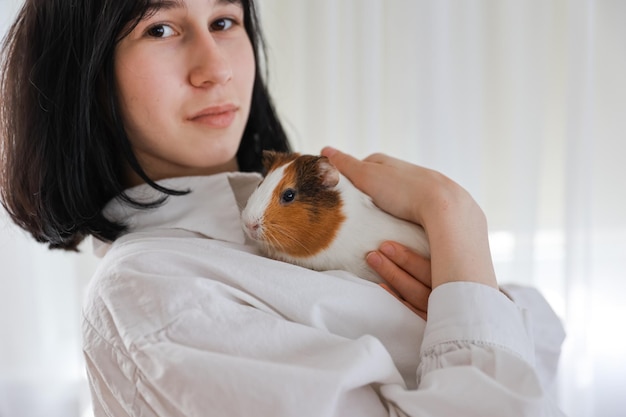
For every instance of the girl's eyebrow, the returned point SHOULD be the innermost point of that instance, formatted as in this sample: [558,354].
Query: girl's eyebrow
[174,4]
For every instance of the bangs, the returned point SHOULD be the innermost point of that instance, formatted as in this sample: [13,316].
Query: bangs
[138,10]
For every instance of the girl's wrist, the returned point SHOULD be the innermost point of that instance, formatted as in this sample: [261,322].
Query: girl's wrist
[458,235]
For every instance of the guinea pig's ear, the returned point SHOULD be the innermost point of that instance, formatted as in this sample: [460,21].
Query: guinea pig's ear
[269,157]
[274,159]
[327,172]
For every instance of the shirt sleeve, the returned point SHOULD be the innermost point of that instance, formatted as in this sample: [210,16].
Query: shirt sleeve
[477,359]
[548,332]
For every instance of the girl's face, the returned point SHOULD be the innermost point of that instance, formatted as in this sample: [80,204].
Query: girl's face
[184,77]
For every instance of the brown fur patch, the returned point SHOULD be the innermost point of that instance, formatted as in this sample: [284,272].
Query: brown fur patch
[309,224]
[273,159]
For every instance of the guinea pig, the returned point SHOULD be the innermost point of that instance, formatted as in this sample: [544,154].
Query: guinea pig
[307,213]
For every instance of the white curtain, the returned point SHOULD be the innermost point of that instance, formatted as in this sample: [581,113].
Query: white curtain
[523,102]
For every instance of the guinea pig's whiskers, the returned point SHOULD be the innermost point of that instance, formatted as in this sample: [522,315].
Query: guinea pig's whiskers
[273,241]
[288,236]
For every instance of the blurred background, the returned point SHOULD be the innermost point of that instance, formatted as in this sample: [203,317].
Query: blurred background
[523,102]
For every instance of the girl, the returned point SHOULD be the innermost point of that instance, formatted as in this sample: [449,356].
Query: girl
[141,123]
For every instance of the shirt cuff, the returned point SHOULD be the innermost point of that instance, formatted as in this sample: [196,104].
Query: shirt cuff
[466,312]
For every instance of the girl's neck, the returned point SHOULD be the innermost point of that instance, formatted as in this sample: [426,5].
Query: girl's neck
[133,179]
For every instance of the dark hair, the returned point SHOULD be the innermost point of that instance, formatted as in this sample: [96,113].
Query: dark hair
[63,146]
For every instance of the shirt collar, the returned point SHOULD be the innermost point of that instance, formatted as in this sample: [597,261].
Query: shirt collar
[211,208]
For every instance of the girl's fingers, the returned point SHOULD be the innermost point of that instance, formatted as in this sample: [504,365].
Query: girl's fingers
[373,176]
[404,285]
[411,262]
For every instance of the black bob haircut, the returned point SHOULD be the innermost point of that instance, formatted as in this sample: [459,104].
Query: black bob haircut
[63,147]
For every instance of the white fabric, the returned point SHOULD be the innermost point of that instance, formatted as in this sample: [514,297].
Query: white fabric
[184,318]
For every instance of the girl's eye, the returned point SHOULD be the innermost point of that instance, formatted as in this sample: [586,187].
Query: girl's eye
[222,24]
[160,31]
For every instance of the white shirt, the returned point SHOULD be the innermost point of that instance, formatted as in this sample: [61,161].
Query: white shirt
[185,318]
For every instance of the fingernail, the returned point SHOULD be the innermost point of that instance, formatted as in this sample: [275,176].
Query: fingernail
[388,249]
[373,259]
[329,151]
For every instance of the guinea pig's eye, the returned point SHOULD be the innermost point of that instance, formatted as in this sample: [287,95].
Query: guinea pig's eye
[288,196]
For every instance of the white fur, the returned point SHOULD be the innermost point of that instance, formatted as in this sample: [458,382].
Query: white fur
[365,228]
[257,204]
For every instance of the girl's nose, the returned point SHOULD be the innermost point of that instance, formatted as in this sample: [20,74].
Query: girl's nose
[209,64]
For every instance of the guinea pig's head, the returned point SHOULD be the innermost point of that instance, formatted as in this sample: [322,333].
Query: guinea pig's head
[297,209]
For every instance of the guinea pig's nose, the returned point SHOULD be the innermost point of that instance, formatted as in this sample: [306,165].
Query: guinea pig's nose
[252,227]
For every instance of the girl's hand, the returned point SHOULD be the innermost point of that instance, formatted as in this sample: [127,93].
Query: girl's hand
[407,275]
[455,225]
